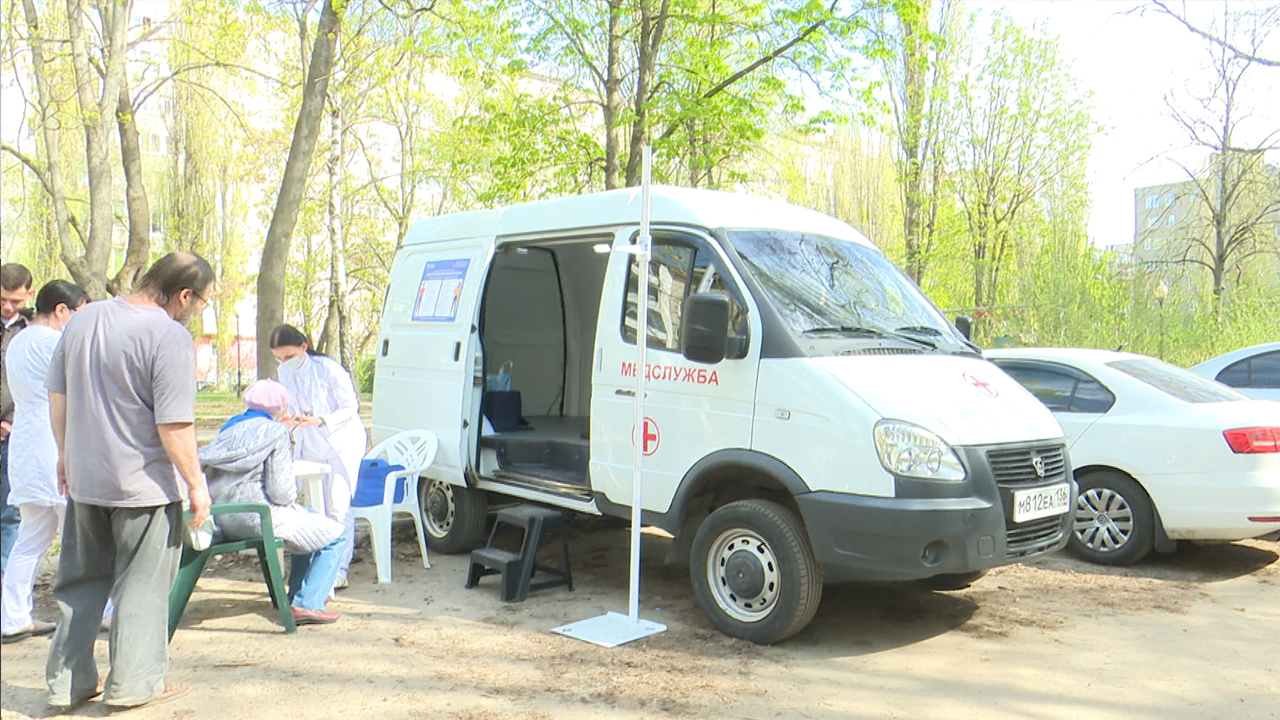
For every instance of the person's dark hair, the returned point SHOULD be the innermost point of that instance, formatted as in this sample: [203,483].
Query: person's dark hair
[174,273]
[288,335]
[15,277]
[59,292]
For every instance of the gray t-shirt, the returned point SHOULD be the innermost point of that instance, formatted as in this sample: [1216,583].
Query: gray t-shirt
[124,368]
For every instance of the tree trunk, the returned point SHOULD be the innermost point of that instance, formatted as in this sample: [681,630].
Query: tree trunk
[336,323]
[275,251]
[53,180]
[139,208]
[914,21]
[651,30]
[613,98]
[95,113]
[225,344]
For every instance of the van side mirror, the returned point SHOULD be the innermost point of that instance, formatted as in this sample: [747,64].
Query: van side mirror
[704,329]
[964,324]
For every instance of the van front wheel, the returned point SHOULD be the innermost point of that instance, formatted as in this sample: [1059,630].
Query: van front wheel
[452,516]
[754,572]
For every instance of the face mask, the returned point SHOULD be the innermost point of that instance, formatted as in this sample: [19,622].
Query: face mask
[295,362]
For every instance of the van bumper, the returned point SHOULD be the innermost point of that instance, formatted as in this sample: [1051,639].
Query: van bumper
[859,537]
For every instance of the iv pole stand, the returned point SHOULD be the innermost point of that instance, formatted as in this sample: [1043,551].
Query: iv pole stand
[613,629]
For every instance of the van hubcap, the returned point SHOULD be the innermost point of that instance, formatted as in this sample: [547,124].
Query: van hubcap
[439,508]
[742,572]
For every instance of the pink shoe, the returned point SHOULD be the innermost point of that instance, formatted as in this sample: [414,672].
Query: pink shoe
[314,617]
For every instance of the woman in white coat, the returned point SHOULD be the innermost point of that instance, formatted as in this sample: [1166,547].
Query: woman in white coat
[325,411]
[33,456]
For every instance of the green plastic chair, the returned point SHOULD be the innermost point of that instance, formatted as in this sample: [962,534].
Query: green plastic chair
[268,547]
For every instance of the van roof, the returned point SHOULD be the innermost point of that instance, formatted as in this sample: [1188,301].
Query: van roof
[670,205]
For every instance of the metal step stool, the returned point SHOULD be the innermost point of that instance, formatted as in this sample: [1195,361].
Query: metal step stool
[517,570]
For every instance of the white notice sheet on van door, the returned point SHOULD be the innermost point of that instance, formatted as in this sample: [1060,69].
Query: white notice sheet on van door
[440,291]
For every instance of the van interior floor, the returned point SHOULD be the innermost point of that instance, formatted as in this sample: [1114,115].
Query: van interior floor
[555,449]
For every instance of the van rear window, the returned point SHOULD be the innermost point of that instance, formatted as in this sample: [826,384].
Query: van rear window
[1181,384]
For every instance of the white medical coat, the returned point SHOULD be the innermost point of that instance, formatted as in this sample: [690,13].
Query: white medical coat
[323,388]
[33,451]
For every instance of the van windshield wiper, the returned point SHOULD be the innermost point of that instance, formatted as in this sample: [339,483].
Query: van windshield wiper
[849,329]
[871,332]
[969,347]
[919,330]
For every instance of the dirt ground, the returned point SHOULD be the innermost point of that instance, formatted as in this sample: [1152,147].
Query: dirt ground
[1191,635]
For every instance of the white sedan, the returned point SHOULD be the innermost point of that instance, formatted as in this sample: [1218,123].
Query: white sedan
[1160,454]
[1254,371]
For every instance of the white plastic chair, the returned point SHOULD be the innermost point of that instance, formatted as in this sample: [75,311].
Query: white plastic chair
[416,451]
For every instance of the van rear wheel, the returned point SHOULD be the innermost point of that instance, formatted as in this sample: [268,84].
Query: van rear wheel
[754,573]
[452,516]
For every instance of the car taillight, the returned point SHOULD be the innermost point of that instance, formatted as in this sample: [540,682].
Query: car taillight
[1254,440]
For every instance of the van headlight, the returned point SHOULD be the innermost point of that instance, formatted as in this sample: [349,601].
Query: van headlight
[911,451]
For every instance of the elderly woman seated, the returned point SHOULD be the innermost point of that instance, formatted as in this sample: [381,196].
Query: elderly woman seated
[251,461]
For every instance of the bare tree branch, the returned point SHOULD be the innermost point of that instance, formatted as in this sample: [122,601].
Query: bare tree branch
[760,62]
[44,183]
[1160,7]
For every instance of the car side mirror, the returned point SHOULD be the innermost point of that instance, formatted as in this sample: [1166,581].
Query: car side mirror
[704,328]
[964,324]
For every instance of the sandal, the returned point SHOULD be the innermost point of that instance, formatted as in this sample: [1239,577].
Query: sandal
[172,691]
[59,708]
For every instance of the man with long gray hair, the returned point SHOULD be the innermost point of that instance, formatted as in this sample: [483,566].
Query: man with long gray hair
[122,401]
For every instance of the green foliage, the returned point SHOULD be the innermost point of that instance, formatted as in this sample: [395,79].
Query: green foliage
[482,104]
[1023,141]
[725,74]
[365,367]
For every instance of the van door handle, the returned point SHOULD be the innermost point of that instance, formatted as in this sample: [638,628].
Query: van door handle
[625,393]
[385,344]
[457,351]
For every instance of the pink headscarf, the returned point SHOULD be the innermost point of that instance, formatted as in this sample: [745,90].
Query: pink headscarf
[268,396]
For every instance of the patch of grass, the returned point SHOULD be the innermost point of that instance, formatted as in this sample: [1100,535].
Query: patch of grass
[214,408]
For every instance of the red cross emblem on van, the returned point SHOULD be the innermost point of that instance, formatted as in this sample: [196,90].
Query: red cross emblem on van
[981,386]
[652,436]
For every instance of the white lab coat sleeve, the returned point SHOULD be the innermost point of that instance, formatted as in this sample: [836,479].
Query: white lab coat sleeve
[345,401]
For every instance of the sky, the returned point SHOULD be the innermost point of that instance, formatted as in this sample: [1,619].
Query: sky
[1130,62]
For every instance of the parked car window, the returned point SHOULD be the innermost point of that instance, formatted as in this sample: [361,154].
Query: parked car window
[1236,374]
[1264,371]
[1259,371]
[676,271]
[1054,389]
[1092,397]
[1062,391]
[1176,382]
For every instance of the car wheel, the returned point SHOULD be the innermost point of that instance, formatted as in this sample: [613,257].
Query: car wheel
[452,516]
[1115,524]
[953,581]
[754,573]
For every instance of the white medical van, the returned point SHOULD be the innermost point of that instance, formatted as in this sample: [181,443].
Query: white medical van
[810,416]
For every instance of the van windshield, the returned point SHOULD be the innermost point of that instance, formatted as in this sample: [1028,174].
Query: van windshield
[822,286]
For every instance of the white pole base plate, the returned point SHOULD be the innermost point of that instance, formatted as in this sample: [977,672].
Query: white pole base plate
[611,629]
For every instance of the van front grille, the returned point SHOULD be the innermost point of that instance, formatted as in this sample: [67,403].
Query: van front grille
[1016,468]
[1032,537]
[883,351]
